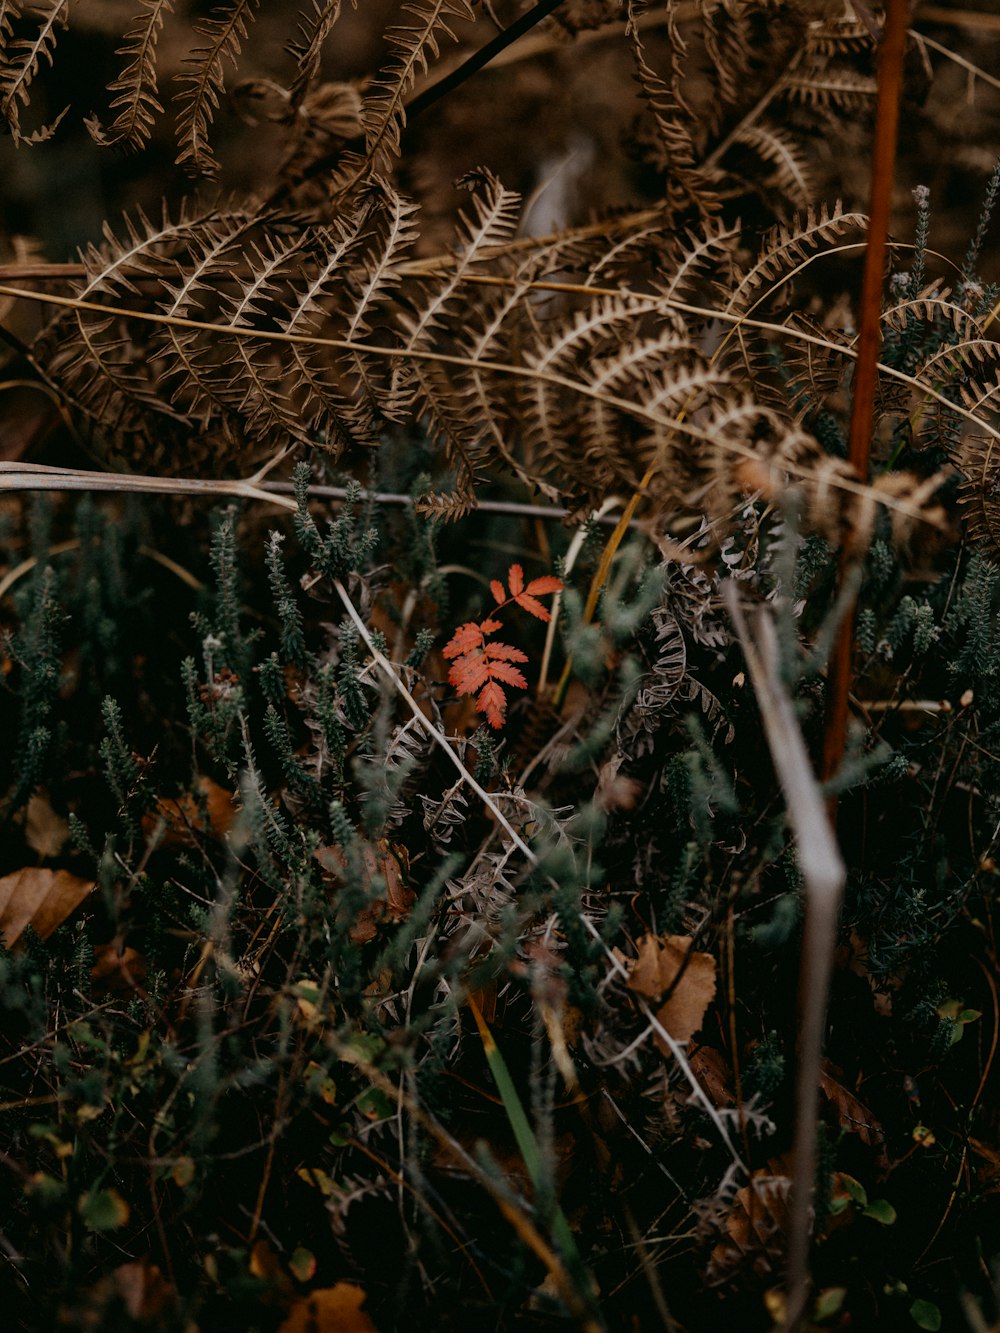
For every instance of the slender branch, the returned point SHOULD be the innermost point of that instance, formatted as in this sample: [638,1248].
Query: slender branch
[479,59]
[890,86]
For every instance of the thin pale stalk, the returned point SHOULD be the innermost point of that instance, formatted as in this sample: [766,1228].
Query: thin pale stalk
[823,876]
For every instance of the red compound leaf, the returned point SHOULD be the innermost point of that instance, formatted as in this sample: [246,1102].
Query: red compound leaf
[483,668]
[508,674]
[546,584]
[469,673]
[493,702]
[467,638]
[505,651]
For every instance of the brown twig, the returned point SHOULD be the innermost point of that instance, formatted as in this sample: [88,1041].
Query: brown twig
[890,84]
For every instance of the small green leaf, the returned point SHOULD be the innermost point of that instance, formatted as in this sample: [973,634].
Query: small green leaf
[925,1314]
[855,1189]
[374,1105]
[881,1211]
[303,1264]
[103,1210]
[44,1188]
[829,1302]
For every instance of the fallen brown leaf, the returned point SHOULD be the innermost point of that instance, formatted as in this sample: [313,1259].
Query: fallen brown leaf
[45,832]
[754,1230]
[670,964]
[40,898]
[712,1070]
[209,810]
[117,971]
[852,1114]
[334,1309]
[385,859]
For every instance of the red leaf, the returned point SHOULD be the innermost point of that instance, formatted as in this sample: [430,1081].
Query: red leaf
[469,673]
[492,701]
[490,626]
[547,583]
[507,673]
[527,603]
[464,640]
[505,651]
[515,577]
[497,589]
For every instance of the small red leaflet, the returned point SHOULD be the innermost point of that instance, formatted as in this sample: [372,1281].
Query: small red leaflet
[484,667]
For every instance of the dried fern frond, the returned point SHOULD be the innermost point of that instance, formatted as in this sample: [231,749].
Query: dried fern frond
[978,459]
[315,26]
[137,84]
[782,151]
[933,308]
[383,115]
[672,150]
[712,248]
[204,81]
[23,58]
[844,91]
[785,247]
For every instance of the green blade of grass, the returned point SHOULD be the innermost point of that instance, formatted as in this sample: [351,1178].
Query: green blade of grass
[527,1144]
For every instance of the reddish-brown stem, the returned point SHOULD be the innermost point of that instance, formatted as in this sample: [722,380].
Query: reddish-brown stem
[890,84]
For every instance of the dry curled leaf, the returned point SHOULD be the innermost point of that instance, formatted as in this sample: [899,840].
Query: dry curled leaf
[335,1309]
[208,810]
[714,1074]
[117,969]
[852,1114]
[45,832]
[671,965]
[391,862]
[754,1230]
[39,898]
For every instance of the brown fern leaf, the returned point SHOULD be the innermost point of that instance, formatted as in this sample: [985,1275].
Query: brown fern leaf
[844,90]
[551,406]
[257,387]
[414,45]
[446,507]
[315,27]
[785,247]
[9,10]
[784,153]
[978,459]
[191,371]
[729,41]
[203,84]
[712,247]
[673,150]
[23,59]
[932,307]
[379,278]
[137,83]
[814,376]
[483,232]
[104,360]
[351,287]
